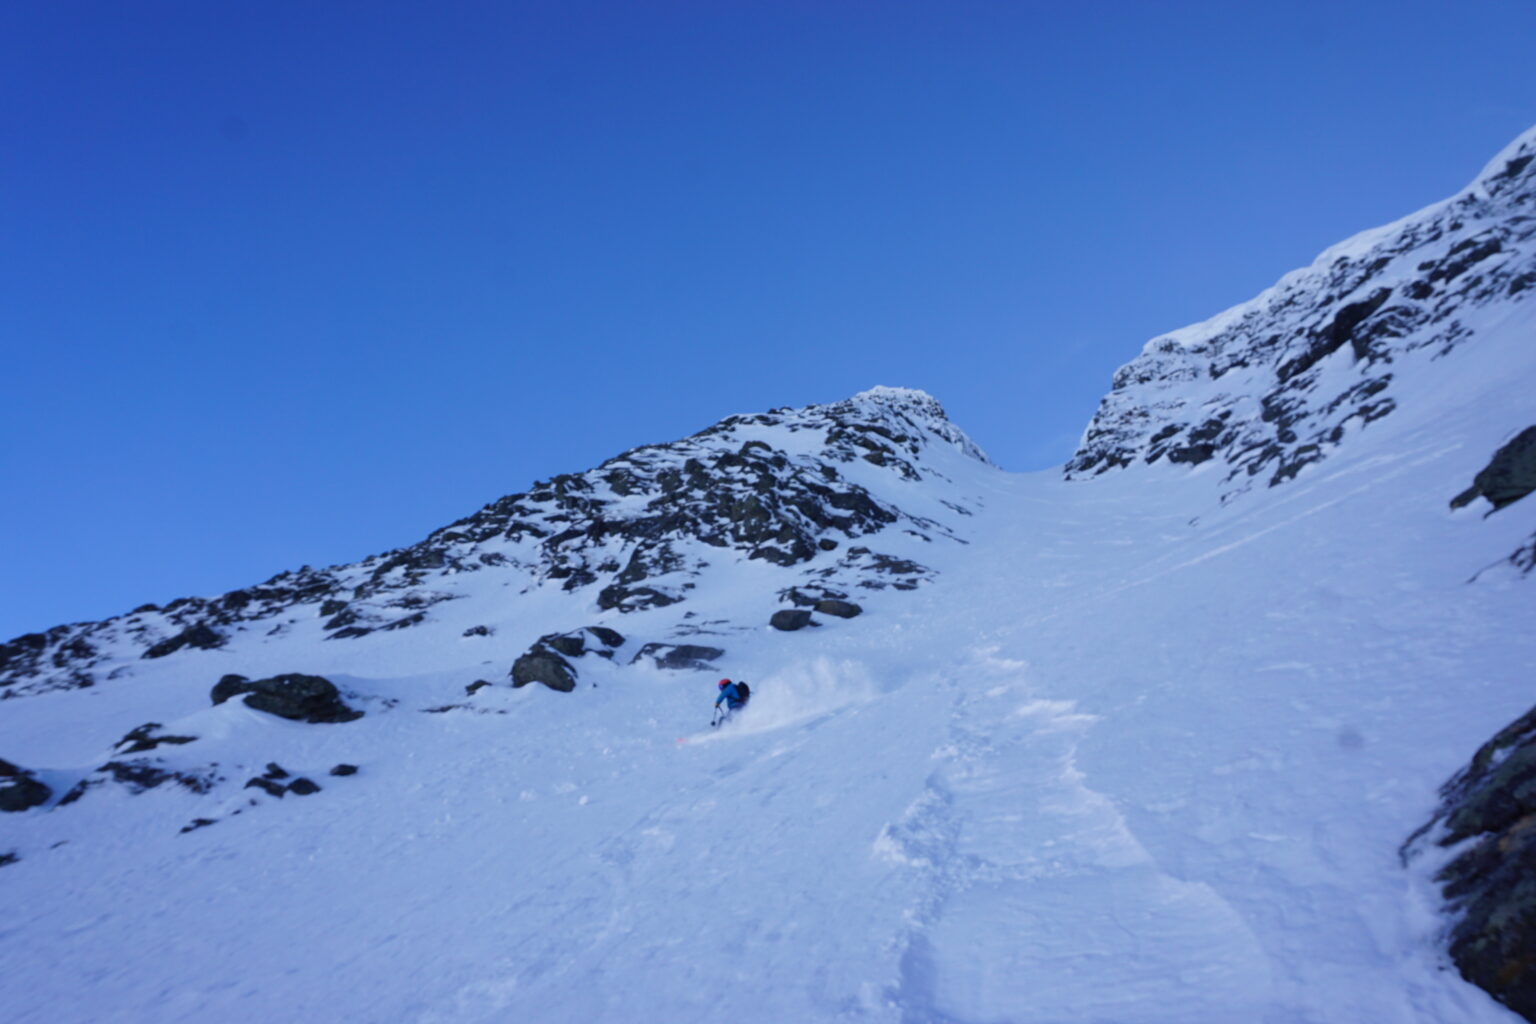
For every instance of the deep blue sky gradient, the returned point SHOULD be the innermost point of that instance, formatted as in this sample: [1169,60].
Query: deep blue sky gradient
[287,283]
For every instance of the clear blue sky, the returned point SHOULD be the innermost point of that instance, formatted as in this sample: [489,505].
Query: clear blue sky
[287,283]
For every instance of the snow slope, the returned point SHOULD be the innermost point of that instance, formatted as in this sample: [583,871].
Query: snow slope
[1127,754]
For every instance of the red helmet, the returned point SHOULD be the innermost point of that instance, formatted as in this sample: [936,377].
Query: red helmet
[724,683]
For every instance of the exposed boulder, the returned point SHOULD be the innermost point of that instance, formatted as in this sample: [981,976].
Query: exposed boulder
[680,656]
[1490,886]
[303,787]
[476,686]
[344,769]
[292,696]
[19,791]
[841,609]
[1509,476]
[790,619]
[545,662]
[544,666]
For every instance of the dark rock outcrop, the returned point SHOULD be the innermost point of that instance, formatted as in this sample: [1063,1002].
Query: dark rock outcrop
[293,696]
[841,609]
[476,686]
[303,787]
[198,636]
[790,619]
[544,666]
[679,656]
[344,769]
[1509,476]
[19,791]
[1490,887]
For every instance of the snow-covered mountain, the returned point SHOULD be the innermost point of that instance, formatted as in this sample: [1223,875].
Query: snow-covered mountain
[1107,745]
[636,533]
[1277,383]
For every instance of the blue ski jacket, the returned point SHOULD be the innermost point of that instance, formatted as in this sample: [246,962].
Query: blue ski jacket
[731,695]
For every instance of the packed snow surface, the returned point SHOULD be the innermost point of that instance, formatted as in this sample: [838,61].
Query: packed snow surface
[1131,757]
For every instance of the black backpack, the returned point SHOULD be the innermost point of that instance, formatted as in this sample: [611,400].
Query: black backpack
[743,691]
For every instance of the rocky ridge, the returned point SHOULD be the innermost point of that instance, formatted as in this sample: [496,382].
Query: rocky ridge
[1272,385]
[634,533]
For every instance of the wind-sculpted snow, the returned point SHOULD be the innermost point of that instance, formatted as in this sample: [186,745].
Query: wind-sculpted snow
[1275,384]
[789,488]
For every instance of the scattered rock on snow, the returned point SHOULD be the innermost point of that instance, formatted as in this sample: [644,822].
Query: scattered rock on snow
[267,786]
[139,740]
[790,619]
[344,769]
[476,686]
[302,787]
[292,695]
[1491,886]
[841,609]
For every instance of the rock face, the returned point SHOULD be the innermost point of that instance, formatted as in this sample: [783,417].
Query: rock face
[1509,476]
[786,487]
[1491,886]
[19,791]
[1271,386]
[294,696]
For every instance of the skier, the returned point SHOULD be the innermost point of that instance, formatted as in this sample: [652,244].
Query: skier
[734,696]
